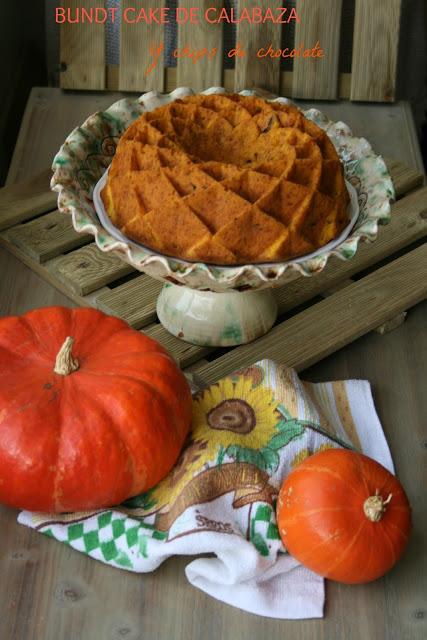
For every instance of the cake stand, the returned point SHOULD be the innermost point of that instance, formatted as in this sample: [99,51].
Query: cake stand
[207,304]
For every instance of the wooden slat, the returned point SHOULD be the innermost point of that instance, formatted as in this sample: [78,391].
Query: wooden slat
[207,71]
[183,352]
[88,269]
[134,301]
[43,271]
[22,201]
[140,45]
[375,44]
[47,237]
[251,71]
[320,22]
[329,325]
[82,50]
[193,366]
[405,179]
[385,327]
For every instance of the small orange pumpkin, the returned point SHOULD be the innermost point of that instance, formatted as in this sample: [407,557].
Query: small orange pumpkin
[344,516]
[91,411]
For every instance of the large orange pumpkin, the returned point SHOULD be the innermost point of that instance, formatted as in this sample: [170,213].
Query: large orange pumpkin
[344,516]
[91,411]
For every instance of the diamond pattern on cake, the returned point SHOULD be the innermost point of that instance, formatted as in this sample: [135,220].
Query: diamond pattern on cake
[227,180]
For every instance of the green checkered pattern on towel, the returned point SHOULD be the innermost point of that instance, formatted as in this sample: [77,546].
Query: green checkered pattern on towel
[110,537]
[263,528]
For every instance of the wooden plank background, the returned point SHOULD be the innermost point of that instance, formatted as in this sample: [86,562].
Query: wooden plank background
[375,44]
[207,71]
[82,50]
[320,21]
[374,61]
[137,43]
[251,71]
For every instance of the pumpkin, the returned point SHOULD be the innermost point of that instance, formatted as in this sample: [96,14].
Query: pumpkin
[91,411]
[344,516]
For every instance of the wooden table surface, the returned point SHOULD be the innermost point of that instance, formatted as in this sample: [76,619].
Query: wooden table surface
[48,591]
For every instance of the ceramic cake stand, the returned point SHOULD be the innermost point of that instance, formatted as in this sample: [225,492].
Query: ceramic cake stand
[200,303]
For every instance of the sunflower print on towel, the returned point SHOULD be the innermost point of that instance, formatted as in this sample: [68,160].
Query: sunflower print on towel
[237,430]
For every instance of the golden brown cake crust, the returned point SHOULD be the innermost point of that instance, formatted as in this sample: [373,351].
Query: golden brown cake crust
[227,179]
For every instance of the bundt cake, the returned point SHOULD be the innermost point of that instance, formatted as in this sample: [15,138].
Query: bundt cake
[227,179]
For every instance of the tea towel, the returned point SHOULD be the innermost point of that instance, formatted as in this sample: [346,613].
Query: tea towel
[249,431]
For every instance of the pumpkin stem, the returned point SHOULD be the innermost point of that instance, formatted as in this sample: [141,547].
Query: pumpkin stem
[375,506]
[65,363]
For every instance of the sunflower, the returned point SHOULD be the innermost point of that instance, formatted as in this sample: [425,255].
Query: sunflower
[231,417]
[234,413]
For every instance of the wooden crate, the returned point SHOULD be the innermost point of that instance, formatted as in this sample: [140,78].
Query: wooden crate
[317,315]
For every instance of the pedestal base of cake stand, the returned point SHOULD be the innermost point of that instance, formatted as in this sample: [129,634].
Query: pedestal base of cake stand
[216,319]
